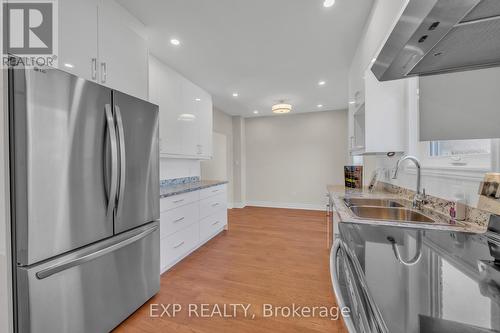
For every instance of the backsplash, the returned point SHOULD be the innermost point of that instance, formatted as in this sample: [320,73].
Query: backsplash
[179,181]
[440,205]
[171,168]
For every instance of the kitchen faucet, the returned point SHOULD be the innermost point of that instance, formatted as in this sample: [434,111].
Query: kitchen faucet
[419,198]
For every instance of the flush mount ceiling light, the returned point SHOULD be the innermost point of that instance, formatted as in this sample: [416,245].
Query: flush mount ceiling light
[175,42]
[186,117]
[198,99]
[328,3]
[255,112]
[69,65]
[321,83]
[319,105]
[281,108]
[235,94]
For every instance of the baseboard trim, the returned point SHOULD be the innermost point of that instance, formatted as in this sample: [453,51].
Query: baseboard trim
[286,205]
[237,205]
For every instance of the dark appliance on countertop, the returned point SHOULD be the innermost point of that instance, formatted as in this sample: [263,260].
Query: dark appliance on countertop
[85,202]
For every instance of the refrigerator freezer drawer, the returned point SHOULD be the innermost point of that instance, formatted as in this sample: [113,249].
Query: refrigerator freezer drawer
[93,289]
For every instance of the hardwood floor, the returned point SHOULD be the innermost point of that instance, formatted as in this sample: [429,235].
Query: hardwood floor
[268,256]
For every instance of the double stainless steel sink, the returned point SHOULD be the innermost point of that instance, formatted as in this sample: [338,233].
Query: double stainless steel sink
[384,209]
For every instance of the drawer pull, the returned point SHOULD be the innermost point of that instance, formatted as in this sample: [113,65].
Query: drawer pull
[178,201]
[216,222]
[179,245]
[215,204]
[179,219]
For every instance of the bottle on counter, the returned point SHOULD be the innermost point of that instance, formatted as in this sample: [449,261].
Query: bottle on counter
[458,207]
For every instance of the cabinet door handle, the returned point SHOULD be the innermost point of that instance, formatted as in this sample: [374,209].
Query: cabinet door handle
[178,201]
[94,69]
[179,245]
[216,222]
[215,204]
[104,72]
[352,142]
[179,219]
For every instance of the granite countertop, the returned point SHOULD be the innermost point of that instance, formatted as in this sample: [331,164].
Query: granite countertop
[338,193]
[168,190]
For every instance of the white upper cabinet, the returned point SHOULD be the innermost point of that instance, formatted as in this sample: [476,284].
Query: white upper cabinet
[185,113]
[378,111]
[165,91]
[123,51]
[78,37]
[205,116]
[385,115]
[100,41]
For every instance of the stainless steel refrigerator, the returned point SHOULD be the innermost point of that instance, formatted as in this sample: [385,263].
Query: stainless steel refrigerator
[85,202]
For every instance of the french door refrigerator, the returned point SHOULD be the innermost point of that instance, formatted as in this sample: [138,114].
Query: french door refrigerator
[84,202]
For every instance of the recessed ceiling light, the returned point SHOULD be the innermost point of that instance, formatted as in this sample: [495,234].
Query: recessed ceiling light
[255,112]
[235,94]
[319,105]
[69,65]
[321,83]
[352,102]
[198,99]
[328,3]
[175,42]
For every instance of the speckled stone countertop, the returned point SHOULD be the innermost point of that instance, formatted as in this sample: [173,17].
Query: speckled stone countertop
[338,193]
[168,190]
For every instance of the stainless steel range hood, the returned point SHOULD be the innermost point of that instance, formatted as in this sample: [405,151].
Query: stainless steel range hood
[440,36]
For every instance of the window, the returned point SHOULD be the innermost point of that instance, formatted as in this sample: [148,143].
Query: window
[457,153]
[459,147]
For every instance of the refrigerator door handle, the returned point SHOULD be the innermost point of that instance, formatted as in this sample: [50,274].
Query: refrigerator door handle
[114,160]
[121,137]
[45,273]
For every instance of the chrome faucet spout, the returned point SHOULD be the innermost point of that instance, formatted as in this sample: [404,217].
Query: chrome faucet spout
[418,199]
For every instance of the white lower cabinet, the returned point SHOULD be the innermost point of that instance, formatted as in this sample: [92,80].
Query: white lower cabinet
[181,243]
[212,225]
[187,222]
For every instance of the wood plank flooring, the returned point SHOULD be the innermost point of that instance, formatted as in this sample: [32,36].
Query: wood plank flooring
[272,256]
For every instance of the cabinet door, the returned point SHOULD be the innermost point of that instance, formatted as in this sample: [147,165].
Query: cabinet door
[189,119]
[123,51]
[205,111]
[78,37]
[385,114]
[165,90]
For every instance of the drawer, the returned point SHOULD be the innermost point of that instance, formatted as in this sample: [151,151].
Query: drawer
[211,191]
[181,243]
[178,218]
[178,200]
[212,225]
[211,205]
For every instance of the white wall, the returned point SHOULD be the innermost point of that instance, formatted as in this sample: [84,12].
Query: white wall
[239,162]
[290,159]
[178,168]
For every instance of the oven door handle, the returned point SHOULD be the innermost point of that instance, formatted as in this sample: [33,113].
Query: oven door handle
[373,313]
[335,257]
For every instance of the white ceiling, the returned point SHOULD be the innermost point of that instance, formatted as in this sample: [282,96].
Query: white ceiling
[266,50]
